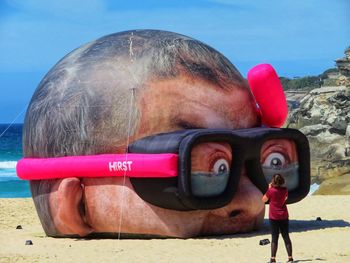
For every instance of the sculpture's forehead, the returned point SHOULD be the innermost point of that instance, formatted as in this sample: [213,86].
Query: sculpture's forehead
[185,102]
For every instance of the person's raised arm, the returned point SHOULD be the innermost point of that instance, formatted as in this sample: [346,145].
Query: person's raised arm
[265,198]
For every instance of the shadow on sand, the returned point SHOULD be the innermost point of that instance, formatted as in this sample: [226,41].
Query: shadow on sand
[294,226]
[309,260]
[308,225]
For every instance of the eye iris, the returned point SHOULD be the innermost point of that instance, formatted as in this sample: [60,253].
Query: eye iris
[276,162]
[221,167]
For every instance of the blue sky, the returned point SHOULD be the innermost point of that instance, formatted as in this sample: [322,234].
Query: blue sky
[298,37]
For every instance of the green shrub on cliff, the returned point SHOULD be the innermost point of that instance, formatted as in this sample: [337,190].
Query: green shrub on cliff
[305,83]
[308,82]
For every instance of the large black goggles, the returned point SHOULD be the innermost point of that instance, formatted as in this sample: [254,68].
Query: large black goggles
[211,162]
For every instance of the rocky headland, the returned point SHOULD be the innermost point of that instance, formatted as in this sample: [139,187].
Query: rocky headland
[323,115]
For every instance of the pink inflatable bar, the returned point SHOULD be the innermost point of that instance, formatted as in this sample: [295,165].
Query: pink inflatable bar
[269,95]
[104,165]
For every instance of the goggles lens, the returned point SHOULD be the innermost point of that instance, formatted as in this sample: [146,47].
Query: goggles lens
[210,168]
[279,156]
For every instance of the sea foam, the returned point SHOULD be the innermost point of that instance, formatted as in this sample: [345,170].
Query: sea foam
[8,164]
[313,188]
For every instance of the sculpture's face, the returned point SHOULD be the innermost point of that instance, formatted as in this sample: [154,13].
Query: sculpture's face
[79,109]
[111,205]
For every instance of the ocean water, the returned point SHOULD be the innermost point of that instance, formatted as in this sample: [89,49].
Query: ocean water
[10,152]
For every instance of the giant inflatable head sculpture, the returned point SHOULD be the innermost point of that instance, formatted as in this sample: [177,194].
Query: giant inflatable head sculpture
[150,133]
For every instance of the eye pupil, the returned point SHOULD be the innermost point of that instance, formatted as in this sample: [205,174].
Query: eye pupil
[222,168]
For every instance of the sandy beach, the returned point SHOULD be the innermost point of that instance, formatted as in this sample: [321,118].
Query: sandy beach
[327,240]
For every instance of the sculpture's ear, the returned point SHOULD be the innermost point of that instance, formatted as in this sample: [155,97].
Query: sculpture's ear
[66,213]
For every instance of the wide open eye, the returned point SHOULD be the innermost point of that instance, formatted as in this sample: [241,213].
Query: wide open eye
[220,167]
[279,156]
[274,160]
[210,168]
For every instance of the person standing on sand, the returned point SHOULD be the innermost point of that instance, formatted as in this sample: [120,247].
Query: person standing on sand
[277,195]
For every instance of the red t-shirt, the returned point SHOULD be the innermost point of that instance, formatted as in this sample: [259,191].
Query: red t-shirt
[278,209]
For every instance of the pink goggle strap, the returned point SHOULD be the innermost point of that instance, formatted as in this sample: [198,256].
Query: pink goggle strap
[269,95]
[104,165]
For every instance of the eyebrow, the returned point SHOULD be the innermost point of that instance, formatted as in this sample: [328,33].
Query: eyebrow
[206,73]
[289,149]
[184,124]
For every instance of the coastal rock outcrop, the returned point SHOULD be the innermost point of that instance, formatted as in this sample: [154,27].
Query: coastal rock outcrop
[324,117]
[343,65]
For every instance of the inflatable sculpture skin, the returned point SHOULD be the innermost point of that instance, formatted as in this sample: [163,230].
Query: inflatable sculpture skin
[108,95]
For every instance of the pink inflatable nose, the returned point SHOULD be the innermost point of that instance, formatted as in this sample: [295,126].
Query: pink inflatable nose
[269,95]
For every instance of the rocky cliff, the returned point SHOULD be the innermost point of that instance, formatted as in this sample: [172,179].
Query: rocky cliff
[323,116]
[343,65]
